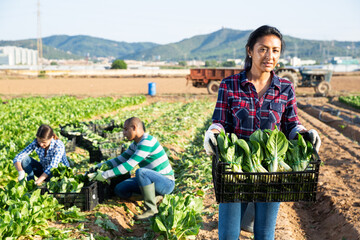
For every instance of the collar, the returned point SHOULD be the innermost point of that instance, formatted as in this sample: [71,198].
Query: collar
[275,82]
[52,144]
[144,136]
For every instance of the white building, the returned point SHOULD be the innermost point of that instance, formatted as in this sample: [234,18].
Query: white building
[10,55]
[295,61]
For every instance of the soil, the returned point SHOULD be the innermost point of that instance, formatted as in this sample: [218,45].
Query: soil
[130,86]
[335,214]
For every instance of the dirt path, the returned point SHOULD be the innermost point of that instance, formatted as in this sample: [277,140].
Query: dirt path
[96,86]
[130,86]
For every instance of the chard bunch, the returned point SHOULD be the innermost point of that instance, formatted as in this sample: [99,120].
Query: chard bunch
[299,153]
[276,146]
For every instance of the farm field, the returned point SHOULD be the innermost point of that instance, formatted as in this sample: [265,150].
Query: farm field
[178,116]
[14,86]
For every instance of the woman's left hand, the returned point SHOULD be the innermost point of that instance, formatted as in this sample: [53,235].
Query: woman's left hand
[39,182]
[41,179]
[313,136]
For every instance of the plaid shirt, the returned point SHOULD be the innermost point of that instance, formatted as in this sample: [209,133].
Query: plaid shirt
[55,154]
[239,110]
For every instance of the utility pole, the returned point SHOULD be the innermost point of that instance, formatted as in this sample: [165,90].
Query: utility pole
[39,40]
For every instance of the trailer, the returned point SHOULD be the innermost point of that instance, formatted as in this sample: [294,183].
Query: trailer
[300,77]
[210,77]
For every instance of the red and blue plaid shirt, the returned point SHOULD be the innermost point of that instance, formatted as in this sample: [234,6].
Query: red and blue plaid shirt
[239,110]
[55,154]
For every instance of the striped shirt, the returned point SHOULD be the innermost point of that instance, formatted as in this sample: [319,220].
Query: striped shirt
[55,154]
[239,110]
[148,153]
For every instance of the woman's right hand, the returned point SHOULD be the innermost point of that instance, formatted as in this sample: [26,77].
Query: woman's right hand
[209,136]
[21,175]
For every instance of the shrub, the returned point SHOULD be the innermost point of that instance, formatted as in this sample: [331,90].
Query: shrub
[119,64]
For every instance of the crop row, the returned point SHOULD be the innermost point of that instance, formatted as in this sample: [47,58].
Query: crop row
[178,126]
[21,117]
[353,101]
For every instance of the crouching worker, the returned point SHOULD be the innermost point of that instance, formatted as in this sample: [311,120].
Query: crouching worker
[155,175]
[51,152]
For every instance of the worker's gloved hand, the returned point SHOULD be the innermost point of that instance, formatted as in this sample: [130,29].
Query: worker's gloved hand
[99,177]
[313,136]
[95,168]
[102,177]
[209,137]
[21,175]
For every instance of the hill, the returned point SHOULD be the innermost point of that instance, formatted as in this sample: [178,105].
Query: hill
[220,45]
[80,46]
[96,47]
[229,44]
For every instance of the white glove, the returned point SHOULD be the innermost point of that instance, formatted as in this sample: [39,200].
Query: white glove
[315,139]
[209,136]
[21,175]
[103,177]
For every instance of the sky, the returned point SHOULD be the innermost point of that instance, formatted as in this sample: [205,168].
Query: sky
[166,21]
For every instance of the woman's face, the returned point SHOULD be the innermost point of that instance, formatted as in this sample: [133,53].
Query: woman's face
[44,143]
[265,53]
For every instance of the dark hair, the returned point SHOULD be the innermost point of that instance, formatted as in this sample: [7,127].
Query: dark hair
[253,38]
[45,132]
[136,121]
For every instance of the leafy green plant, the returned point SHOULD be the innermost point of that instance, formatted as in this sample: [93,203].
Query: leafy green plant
[179,217]
[353,101]
[102,220]
[71,215]
[65,180]
[24,210]
[299,153]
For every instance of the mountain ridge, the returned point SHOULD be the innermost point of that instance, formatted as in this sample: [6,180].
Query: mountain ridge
[220,45]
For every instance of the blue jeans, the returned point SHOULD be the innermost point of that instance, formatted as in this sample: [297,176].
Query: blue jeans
[265,220]
[33,167]
[144,177]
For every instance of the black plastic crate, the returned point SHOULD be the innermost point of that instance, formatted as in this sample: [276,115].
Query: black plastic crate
[265,187]
[106,191]
[110,152]
[86,200]
[113,136]
[100,128]
[69,134]
[84,143]
[95,155]
[70,145]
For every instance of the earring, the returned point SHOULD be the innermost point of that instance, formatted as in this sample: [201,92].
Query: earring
[249,56]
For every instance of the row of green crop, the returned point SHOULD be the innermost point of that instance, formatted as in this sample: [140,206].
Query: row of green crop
[176,125]
[21,117]
[353,101]
[24,211]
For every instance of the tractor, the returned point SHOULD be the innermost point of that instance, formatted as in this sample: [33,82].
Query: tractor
[300,77]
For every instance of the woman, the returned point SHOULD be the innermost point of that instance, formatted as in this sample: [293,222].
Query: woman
[51,152]
[255,99]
